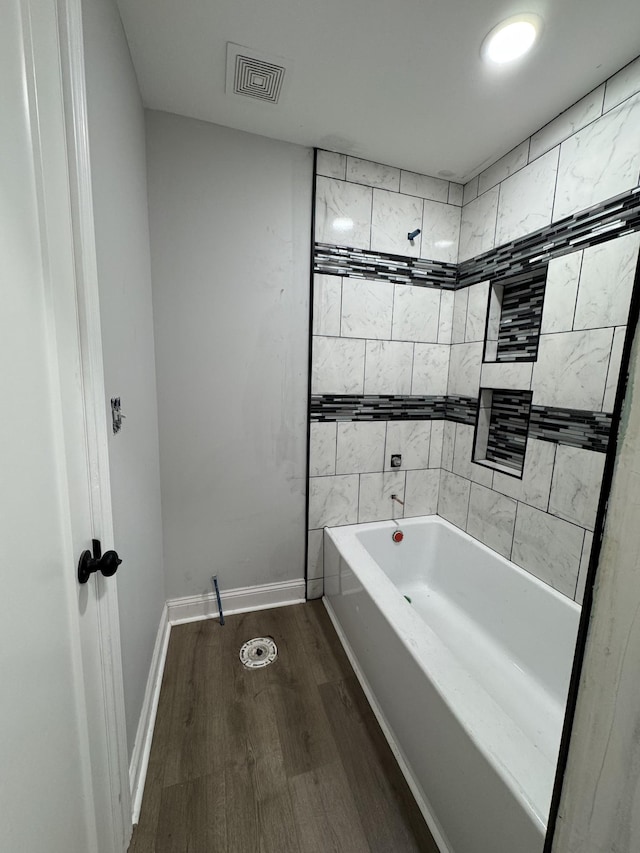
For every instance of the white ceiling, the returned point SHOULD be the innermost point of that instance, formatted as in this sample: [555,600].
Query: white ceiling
[399,82]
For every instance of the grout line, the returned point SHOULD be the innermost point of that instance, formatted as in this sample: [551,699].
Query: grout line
[575,301]
[341,297]
[575,589]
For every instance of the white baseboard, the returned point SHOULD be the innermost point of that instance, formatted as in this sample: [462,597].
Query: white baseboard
[191,609]
[415,786]
[240,600]
[144,735]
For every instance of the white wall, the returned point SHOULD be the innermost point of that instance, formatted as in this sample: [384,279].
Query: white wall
[117,148]
[230,218]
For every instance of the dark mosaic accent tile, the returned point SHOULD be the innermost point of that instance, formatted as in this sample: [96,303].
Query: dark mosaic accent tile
[507,439]
[575,427]
[397,269]
[606,221]
[521,315]
[462,410]
[377,407]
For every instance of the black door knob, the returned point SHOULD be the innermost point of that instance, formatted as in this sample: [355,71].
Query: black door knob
[89,563]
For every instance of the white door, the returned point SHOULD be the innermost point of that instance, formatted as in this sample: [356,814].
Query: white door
[63,781]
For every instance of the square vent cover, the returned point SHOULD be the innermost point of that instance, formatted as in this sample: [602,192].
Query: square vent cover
[254,75]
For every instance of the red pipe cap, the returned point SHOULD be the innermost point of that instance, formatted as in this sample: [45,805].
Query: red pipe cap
[397,536]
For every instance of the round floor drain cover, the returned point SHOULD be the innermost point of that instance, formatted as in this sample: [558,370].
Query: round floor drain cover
[259,652]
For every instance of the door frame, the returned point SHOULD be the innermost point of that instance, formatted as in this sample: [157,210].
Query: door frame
[53,41]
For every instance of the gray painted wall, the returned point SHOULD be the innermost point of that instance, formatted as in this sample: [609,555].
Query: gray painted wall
[230,220]
[117,147]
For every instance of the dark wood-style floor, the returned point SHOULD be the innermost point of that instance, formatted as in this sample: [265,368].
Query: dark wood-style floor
[286,759]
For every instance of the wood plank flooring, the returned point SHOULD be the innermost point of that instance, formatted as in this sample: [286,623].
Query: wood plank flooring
[286,759]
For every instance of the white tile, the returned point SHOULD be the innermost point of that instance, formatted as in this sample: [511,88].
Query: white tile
[561,291]
[576,485]
[448,444]
[571,369]
[570,121]
[477,305]
[460,303]
[464,369]
[337,366]
[435,448]
[394,216]
[478,225]
[453,499]
[421,493]
[322,449]
[315,567]
[424,186]
[430,369]
[623,85]
[584,567]
[445,321]
[343,213]
[456,192]
[415,313]
[585,176]
[440,232]
[505,166]
[333,501]
[412,440]
[470,190]
[360,447]
[388,367]
[373,174]
[548,547]
[367,308]
[463,458]
[613,374]
[526,199]
[331,165]
[491,519]
[510,375]
[375,502]
[606,283]
[535,485]
[327,297]
[315,589]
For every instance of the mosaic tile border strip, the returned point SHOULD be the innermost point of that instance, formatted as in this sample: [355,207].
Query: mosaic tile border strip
[377,407]
[613,218]
[575,427]
[379,266]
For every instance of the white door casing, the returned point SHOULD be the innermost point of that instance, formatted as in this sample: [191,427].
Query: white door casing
[62,741]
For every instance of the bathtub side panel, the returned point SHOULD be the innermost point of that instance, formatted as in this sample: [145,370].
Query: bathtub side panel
[462,791]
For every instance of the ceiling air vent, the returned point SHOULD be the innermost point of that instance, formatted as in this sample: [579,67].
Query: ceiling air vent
[254,75]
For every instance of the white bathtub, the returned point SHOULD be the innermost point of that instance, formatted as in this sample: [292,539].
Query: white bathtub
[469,680]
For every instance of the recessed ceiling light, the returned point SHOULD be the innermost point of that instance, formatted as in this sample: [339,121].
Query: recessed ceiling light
[512,38]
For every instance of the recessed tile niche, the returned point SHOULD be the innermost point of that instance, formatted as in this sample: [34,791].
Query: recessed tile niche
[515,315]
[501,430]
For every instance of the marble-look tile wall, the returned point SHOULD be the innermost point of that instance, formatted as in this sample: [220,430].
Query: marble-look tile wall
[544,521]
[377,337]
[586,155]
